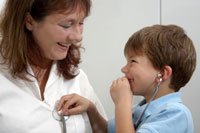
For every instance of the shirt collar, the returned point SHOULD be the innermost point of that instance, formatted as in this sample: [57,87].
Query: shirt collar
[53,72]
[54,75]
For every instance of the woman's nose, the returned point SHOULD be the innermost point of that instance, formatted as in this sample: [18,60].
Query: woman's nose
[76,34]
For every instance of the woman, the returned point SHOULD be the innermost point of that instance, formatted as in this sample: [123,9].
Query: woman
[39,65]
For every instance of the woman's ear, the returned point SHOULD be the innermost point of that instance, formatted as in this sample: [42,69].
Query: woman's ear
[166,73]
[29,21]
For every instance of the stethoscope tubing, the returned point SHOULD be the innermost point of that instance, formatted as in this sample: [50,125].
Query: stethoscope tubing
[59,117]
[154,94]
[64,124]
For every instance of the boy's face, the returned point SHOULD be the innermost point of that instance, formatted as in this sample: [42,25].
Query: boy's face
[141,75]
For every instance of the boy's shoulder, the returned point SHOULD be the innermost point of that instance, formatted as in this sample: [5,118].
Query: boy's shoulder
[168,113]
[176,107]
[174,110]
[170,104]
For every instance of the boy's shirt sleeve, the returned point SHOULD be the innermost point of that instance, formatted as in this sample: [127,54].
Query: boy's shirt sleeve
[111,125]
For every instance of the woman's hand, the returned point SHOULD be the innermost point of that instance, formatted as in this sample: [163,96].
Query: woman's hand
[73,104]
[120,91]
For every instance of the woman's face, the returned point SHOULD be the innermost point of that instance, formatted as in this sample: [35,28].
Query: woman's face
[141,75]
[56,33]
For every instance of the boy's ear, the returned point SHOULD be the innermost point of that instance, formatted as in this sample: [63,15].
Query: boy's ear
[166,73]
[29,21]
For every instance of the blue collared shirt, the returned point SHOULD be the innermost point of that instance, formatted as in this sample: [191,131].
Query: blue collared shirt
[166,114]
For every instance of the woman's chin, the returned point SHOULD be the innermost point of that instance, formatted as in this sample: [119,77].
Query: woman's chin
[58,58]
[61,56]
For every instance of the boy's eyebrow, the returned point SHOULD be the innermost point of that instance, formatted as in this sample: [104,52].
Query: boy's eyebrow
[130,56]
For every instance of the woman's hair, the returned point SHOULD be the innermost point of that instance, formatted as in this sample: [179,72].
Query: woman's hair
[16,44]
[165,45]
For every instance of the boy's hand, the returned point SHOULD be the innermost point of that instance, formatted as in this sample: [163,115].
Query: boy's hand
[120,91]
[73,104]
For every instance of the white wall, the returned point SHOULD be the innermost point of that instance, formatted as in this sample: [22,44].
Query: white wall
[186,13]
[1,4]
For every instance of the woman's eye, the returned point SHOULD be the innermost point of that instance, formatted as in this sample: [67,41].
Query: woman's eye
[81,23]
[65,25]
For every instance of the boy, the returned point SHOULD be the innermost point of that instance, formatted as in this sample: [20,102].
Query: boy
[160,61]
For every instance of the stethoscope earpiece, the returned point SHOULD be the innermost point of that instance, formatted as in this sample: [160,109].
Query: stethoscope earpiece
[160,77]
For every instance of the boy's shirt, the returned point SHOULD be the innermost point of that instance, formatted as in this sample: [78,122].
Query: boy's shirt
[166,114]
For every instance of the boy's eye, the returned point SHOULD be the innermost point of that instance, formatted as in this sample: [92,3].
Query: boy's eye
[132,61]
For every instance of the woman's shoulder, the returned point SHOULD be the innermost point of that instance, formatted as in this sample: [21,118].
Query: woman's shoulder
[85,86]
[82,73]
[83,77]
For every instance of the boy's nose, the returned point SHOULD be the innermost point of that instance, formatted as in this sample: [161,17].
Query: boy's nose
[124,70]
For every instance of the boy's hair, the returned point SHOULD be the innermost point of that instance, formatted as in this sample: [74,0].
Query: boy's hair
[166,45]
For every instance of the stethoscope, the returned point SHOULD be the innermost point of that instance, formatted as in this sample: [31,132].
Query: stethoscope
[154,94]
[59,117]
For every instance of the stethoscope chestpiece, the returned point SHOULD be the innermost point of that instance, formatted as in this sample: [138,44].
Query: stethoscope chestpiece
[57,114]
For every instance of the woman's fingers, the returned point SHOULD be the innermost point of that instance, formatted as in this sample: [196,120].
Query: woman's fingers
[73,104]
[73,111]
[63,100]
